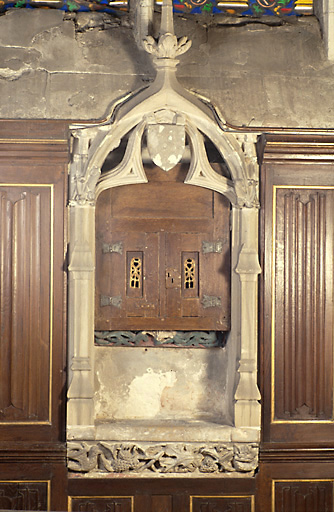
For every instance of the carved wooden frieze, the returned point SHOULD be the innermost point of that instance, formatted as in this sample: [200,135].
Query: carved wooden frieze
[167,458]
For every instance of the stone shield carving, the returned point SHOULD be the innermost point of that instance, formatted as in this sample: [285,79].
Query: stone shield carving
[166,139]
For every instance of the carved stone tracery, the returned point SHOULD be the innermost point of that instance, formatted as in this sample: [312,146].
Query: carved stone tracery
[164,106]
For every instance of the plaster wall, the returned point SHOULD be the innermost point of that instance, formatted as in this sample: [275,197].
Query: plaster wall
[72,66]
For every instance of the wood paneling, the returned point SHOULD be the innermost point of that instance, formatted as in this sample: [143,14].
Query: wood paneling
[303,496]
[101,504]
[164,220]
[24,495]
[171,494]
[25,302]
[296,301]
[223,504]
[32,284]
[303,360]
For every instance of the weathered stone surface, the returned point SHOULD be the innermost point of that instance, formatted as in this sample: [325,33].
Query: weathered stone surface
[145,459]
[15,62]
[89,94]
[153,384]
[20,26]
[257,74]
[26,101]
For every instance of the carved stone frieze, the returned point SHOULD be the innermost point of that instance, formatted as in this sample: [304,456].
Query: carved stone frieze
[193,339]
[167,458]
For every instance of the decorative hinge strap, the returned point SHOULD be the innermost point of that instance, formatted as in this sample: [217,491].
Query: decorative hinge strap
[111,301]
[116,247]
[209,301]
[209,247]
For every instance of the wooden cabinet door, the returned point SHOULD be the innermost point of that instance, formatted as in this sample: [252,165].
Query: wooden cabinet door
[162,257]
[127,285]
[196,284]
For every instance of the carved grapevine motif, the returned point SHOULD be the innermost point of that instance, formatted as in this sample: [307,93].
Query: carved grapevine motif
[105,457]
[193,339]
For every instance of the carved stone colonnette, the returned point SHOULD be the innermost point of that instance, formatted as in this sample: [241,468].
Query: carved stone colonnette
[197,459]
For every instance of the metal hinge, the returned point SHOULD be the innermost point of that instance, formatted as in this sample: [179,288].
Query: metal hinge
[111,301]
[116,247]
[209,301]
[210,247]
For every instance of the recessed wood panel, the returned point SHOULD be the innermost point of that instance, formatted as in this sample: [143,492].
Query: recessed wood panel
[222,504]
[24,495]
[101,504]
[33,185]
[296,328]
[302,496]
[25,302]
[303,266]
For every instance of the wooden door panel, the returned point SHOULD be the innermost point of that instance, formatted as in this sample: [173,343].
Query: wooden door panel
[201,287]
[127,284]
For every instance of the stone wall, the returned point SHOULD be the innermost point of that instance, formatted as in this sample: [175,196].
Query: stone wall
[56,65]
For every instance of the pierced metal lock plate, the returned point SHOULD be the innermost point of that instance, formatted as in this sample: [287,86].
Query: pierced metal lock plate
[173,278]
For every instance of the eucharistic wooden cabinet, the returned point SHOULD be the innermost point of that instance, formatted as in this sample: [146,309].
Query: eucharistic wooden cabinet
[162,256]
[168,252]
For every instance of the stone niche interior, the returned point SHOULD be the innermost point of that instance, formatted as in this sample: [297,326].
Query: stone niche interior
[139,397]
[170,385]
[164,183]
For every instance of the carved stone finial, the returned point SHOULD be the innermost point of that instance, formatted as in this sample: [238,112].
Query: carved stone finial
[167,24]
[167,46]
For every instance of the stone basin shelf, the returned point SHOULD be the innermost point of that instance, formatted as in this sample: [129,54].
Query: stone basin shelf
[192,448]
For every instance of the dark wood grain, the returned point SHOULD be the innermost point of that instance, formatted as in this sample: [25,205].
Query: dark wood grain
[223,504]
[303,292]
[33,280]
[164,220]
[297,496]
[297,357]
